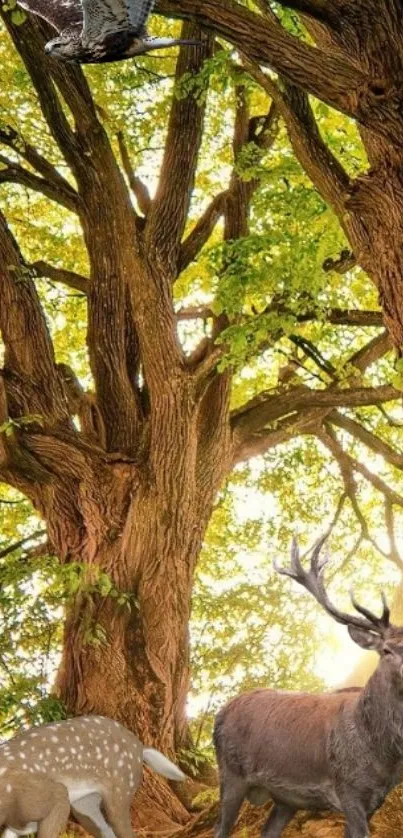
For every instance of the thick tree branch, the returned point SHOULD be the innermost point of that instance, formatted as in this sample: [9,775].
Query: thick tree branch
[261,130]
[309,420]
[267,408]
[322,10]
[259,442]
[336,316]
[11,172]
[9,137]
[29,43]
[106,216]
[167,217]
[331,79]
[35,386]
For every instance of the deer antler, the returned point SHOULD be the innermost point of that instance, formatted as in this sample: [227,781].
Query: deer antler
[313,581]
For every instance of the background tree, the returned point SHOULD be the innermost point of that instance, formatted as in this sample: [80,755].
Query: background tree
[213,333]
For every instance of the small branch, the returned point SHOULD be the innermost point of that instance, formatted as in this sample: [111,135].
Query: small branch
[312,352]
[137,186]
[69,278]
[83,405]
[207,366]
[346,262]
[330,441]
[394,554]
[378,483]
[202,231]
[371,352]
[267,11]
[324,169]
[6,551]
[369,439]
[194,313]
[348,465]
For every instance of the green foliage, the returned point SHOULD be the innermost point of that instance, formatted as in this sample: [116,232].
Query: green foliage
[34,592]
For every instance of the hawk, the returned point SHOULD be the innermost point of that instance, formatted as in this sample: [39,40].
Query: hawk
[96,31]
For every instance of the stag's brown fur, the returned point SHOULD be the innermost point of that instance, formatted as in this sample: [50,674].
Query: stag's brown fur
[341,750]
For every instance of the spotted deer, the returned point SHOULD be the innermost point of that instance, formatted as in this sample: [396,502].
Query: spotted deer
[341,750]
[31,802]
[91,764]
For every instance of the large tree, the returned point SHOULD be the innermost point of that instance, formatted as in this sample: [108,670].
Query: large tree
[125,473]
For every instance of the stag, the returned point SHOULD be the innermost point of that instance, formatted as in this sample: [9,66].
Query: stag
[341,750]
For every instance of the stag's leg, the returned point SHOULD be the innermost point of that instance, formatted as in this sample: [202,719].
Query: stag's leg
[356,817]
[279,817]
[56,821]
[87,810]
[232,794]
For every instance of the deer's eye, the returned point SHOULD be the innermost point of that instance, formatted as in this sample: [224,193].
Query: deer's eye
[387,652]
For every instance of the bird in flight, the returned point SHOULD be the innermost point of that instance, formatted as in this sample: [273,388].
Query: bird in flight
[96,31]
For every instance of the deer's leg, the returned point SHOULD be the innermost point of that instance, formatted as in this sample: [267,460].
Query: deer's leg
[279,817]
[117,813]
[88,812]
[56,821]
[356,817]
[232,794]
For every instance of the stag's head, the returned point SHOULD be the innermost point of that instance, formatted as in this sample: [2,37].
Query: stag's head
[365,628]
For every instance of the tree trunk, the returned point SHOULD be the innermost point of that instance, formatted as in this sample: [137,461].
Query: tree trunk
[126,650]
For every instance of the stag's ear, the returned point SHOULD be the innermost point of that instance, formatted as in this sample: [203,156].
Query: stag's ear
[365,639]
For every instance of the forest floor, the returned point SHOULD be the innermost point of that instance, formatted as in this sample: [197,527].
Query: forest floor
[387,823]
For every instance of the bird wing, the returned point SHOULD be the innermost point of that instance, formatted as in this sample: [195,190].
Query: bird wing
[138,11]
[61,14]
[102,17]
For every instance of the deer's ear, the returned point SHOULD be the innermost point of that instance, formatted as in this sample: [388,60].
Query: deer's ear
[365,639]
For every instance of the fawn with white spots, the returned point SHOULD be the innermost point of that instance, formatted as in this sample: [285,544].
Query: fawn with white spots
[91,764]
[31,802]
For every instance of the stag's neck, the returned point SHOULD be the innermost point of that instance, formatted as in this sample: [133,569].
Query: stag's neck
[379,713]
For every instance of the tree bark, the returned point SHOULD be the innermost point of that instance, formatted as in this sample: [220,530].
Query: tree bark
[147,540]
